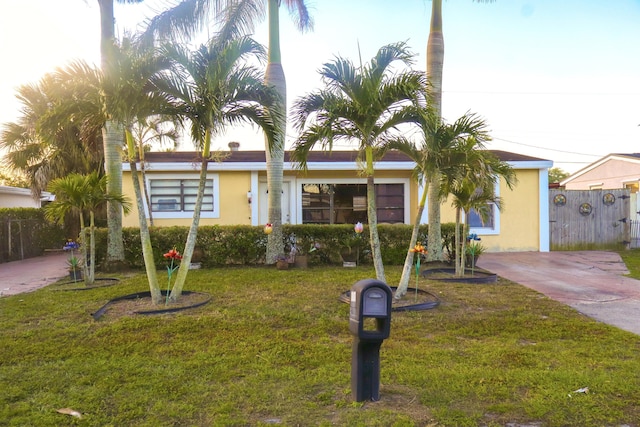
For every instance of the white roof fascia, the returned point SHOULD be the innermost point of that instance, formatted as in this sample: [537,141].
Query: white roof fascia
[325,166]
[212,166]
[349,166]
[531,164]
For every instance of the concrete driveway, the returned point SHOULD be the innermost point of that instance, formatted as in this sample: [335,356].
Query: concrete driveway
[592,282]
[17,277]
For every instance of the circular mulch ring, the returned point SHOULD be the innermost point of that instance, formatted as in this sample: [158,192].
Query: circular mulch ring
[205,298]
[94,286]
[427,300]
[448,274]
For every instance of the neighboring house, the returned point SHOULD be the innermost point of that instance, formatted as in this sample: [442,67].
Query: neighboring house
[332,191]
[13,197]
[610,172]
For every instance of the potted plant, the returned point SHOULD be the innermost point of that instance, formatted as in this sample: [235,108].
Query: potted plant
[350,250]
[282,262]
[73,263]
[472,252]
[301,250]
[74,267]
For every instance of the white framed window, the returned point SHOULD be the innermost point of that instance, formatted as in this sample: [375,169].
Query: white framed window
[344,201]
[174,195]
[492,224]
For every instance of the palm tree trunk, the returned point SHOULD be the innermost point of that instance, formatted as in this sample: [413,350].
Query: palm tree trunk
[408,261]
[143,175]
[83,239]
[193,230]
[373,230]
[145,236]
[435,55]
[112,139]
[435,61]
[459,272]
[274,76]
[92,249]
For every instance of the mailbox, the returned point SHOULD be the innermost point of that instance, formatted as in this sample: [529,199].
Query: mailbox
[370,323]
[370,313]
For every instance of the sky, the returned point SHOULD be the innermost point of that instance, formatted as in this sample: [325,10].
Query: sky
[558,80]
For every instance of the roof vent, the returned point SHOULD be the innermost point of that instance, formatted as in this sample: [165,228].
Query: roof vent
[233,146]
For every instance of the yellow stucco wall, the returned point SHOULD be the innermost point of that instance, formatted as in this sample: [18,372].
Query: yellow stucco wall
[519,219]
[234,208]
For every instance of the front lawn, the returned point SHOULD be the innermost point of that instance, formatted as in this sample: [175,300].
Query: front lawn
[273,347]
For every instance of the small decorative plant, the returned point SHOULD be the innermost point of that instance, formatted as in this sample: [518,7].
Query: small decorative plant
[473,250]
[351,244]
[174,256]
[419,252]
[73,262]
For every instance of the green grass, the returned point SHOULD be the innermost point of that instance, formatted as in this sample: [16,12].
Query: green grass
[631,259]
[274,346]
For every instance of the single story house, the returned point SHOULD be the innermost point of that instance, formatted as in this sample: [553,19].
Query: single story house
[610,172]
[332,191]
[14,197]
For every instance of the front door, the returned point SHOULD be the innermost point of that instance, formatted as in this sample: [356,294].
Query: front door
[263,202]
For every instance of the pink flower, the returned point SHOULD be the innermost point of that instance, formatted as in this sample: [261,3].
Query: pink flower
[358,227]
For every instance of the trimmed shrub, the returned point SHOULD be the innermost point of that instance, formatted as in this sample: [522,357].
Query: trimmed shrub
[246,245]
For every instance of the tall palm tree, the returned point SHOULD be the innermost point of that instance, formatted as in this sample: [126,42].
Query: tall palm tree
[188,16]
[113,136]
[442,152]
[127,96]
[435,63]
[44,148]
[131,97]
[82,194]
[216,88]
[363,104]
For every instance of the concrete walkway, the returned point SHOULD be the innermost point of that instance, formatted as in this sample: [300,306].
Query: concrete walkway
[592,282]
[17,277]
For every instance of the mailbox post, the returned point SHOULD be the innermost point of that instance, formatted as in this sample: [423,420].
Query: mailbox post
[370,323]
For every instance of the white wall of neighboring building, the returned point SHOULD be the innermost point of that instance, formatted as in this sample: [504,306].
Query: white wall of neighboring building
[12,197]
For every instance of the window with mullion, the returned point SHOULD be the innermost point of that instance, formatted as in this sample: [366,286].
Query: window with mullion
[179,195]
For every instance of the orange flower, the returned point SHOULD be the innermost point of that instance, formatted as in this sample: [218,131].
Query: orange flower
[419,249]
[173,254]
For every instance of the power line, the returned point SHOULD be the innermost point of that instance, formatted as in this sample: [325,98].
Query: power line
[548,149]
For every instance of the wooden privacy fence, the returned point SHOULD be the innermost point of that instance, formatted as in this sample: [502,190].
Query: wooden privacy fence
[589,219]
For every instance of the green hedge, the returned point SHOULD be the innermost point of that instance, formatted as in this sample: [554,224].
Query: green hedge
[246,245]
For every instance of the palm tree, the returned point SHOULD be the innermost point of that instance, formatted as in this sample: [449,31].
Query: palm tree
[81,194]
[146,134]
[131,97]
[435,62]
[215,88]
[187,17]
[443,153]
[43,144]
[113,136]
[363,104]
[480,173]
[128,96]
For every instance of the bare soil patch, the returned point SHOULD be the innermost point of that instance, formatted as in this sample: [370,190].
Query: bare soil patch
[142,305]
